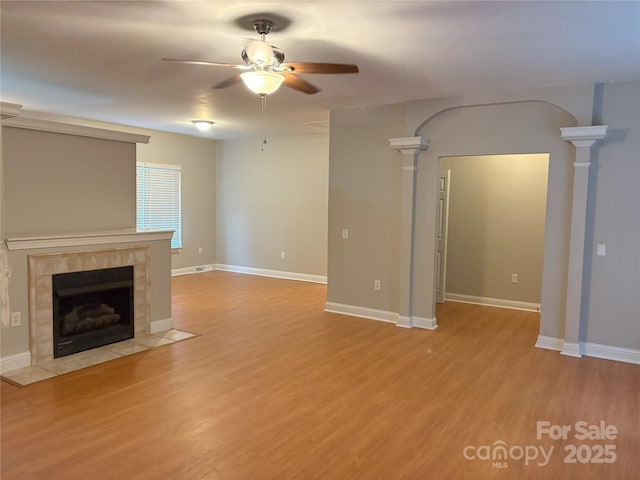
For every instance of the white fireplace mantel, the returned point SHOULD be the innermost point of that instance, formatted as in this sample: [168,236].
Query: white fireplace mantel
[85,239]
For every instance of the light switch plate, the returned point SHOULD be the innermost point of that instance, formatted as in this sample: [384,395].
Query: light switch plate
[16,319]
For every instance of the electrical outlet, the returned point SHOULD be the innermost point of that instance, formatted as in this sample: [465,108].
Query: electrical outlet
[514,278]
[345,234]
[377,285]
[16,319]
[200,251]
[283,255]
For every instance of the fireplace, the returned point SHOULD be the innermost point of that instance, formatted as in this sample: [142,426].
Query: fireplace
[91,309]
[43,267]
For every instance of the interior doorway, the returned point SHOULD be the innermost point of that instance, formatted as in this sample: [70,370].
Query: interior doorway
[442,233]
[491,229]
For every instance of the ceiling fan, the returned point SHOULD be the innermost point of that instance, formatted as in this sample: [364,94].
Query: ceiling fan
[263,69]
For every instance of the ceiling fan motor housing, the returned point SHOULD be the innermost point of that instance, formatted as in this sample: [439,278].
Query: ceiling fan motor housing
[262,54]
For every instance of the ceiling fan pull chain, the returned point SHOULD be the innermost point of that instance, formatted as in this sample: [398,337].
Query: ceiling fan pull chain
[263,98]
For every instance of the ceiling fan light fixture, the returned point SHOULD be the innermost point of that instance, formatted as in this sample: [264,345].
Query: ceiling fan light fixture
[202,125]
[262,82]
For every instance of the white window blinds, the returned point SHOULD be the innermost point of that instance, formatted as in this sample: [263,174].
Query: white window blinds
[158,199]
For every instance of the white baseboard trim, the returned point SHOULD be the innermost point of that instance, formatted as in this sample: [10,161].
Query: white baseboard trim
[189,270]
[160,325]
[549,343]
[15,361]
[493,302]
[382,316]
[303,277]
[426,323]
[610,352]
[363,312]
[606,352]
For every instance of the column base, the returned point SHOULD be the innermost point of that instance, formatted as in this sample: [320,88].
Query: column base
[417,322]
[571,349]
[404,322]
[425,323]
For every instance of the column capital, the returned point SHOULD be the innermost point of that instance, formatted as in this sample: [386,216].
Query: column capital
[9,110]
[584,136]
[409,145]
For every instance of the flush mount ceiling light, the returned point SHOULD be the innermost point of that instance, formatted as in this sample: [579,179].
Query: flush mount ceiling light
[202,125]
[262,82]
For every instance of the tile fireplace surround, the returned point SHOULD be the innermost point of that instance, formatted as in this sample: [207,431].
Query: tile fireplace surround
[43,266]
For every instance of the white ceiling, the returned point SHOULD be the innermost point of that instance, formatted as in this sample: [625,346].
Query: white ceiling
[100,60]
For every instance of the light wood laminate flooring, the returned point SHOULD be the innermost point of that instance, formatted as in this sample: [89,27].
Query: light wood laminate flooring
[275,388]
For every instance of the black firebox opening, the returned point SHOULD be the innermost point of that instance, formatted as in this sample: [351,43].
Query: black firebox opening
[91,309]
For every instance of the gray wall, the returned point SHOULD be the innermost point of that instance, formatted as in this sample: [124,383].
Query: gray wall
[360,147]
[272,201]
[511,122]
[612,293]
[2,188]
[496,225]
[197,157]
[55,183]
[266,202]
[364,190]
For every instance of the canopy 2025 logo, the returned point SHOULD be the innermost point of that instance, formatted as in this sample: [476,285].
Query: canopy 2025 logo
[499,453]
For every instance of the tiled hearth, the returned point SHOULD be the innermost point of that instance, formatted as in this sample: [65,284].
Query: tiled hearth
[43,266]
[77,361]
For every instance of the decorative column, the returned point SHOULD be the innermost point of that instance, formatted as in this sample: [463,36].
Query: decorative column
[582,138]
[410,147]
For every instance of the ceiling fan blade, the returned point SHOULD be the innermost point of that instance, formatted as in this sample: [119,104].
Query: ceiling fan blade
[309,67]
[228,82]
[299,84]
[202,62]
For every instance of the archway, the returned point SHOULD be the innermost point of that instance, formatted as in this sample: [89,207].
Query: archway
[498,128]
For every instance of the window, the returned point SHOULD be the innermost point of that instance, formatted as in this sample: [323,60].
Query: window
[158,204]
